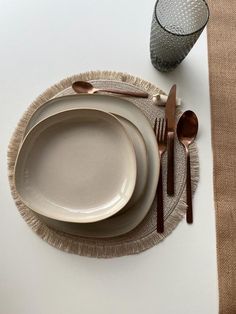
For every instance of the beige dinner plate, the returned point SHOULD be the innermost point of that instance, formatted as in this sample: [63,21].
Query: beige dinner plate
[76,166]
[121,223]
[140,152]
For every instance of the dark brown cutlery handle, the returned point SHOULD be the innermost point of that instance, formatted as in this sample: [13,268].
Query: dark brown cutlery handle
[160,211]
[189,192]
[170,164]
[127,93]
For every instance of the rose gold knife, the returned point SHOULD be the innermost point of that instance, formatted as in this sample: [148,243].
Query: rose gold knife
[170,117]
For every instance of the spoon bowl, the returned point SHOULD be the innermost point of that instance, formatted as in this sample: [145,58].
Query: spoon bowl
[187,129]
[83,87]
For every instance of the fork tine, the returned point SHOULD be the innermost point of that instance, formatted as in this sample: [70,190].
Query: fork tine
[166,128]
[155,126]
[159,130]
[163,130]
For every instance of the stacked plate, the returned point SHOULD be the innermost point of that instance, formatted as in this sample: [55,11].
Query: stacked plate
[88,165]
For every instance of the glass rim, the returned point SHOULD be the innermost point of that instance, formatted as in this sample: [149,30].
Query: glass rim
[176,34]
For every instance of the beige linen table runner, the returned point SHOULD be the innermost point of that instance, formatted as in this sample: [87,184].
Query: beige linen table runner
[222,71]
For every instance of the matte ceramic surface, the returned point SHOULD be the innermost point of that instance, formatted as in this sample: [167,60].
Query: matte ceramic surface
[118,224]
[140,152]
[141,159]
[76,166]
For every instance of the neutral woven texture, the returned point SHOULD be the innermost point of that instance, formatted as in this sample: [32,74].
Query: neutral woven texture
[142,237]
[222,70]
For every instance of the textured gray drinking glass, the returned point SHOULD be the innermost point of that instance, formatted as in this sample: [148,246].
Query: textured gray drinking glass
[176,25]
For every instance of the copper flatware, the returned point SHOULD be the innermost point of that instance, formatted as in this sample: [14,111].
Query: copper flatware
[187,128]
[87,88]
[170,118]
[161,135]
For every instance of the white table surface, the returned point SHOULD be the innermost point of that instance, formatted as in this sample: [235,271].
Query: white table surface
[41,43]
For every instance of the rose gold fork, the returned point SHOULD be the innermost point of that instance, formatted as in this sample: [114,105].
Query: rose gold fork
[161,135]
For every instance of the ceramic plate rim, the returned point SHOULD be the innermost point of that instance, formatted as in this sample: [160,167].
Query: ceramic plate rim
[146,159]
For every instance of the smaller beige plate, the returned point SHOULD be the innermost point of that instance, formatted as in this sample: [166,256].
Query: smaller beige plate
[76,166]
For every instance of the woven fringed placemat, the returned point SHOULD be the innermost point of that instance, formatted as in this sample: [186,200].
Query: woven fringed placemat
[143,236]
[222,74]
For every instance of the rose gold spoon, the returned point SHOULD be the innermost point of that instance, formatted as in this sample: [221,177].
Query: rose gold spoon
[87,88]
[187,128]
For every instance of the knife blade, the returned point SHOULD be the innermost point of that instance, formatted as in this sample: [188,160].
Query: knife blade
[170,118]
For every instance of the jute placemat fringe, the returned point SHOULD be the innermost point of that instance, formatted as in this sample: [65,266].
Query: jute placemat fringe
[142,237]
